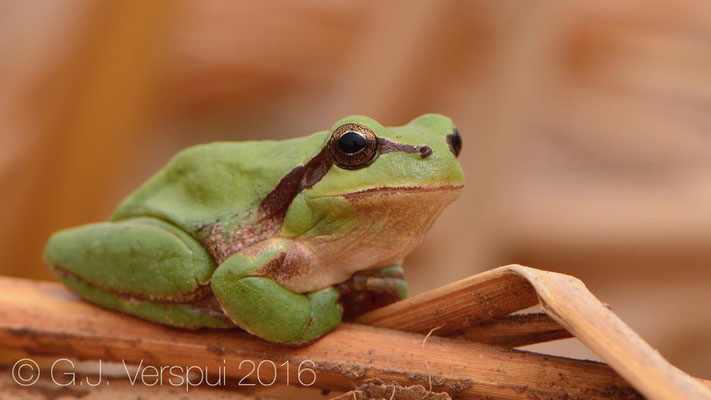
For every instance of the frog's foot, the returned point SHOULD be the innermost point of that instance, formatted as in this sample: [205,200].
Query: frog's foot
[266,309]
[371,289]
[142,266]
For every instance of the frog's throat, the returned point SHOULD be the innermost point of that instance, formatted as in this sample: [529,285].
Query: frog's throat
[272,210]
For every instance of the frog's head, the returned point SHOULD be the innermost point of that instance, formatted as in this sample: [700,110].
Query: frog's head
[390,181]
[370,158]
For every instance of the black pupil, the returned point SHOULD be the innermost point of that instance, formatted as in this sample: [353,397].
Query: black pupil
[351,142]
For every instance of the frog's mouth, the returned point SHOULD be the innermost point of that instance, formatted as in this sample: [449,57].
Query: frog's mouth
[389,190]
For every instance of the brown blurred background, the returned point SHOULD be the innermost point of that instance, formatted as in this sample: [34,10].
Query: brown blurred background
[587,126]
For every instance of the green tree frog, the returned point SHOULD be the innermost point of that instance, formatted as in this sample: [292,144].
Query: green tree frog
[269,236]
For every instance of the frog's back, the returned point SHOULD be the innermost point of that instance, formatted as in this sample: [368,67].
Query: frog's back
[210,182]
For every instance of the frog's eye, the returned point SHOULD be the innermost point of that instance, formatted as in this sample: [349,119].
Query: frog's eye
[454,140]
[353,146]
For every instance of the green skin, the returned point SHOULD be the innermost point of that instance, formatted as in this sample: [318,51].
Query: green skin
[271,236]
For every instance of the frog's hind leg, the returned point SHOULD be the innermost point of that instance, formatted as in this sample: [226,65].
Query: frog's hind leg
[141,266]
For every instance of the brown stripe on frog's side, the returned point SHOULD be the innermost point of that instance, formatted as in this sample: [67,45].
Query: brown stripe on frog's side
[200,299]
[201,292]
[277,202]
[272,210]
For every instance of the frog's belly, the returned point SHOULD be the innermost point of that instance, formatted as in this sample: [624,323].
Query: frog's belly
[390,225]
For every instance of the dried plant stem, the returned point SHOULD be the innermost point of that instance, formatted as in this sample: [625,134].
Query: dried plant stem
[516,330]
[565,300]
[44,318]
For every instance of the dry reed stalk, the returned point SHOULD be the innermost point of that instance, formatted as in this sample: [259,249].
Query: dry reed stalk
[45,318]
[566,300]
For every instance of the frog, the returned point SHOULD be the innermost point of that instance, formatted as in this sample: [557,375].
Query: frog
[271,236]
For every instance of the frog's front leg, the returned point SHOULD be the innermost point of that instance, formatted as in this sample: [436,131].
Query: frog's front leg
[370,289]
[261,306]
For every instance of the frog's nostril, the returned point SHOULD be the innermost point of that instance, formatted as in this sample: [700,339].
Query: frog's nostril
[425,151]
[454,140]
